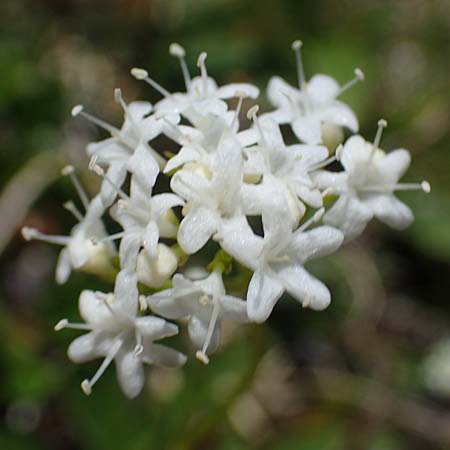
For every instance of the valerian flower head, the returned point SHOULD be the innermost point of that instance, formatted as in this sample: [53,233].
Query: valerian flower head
[117,333]
[312,104]
[225,183]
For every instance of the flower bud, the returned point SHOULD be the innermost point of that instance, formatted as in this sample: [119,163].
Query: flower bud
[332,136]
[154,273]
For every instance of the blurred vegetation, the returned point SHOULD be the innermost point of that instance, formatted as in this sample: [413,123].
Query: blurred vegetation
[347,378]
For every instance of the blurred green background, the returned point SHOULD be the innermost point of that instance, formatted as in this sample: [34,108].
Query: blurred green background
[372,372]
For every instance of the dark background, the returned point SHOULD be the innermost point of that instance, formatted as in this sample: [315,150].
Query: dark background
[372,372]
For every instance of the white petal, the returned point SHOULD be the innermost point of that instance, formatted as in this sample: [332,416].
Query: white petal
[87,347]
[92,309]
[390,210]
[144,167]
[139,109]
[63,266]
[129,249]
[272,133]
[151,238]
[237,239]
[394,164]
[237,89]
[263,292]
[305,288]
[189,185]
[155,328]
[308,129]
[355,150]
[335,180]
[196,228]
[233,308]
[318,242]
[126,292]
[186,154]
[339,113]
[350,215]
[277,89]
[198,330]
[130,373]
[322,89]
[163,202]
[309,155]
[116,174]
[108,151]
[163,356]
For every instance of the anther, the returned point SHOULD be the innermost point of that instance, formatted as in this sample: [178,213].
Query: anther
[86,387]
[61,325]
[28,233]
[251,113]
[177,50]
[338,152]
[426,187]
[76,110]
[203,357]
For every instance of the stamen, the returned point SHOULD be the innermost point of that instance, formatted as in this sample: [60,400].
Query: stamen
[252,114]
[109,238]
[87,385]
[119,99]
[204,73]
[178,51]
[142,74]
[312,220]
[423,186]
[201,354]
[235,120]
[381,125]
[323,163]
[70,206]
[99,171]
[296,46]
[79,111]
[70,171]
[64,323]
[338,152]
[31,233]
[359,76]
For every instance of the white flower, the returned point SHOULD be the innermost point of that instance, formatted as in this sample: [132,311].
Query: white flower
[312,104]
[280,264]
[204,303]
[366,187]
[117,334]
[128,148]
[87,248]
[287,169]
[211,202]
[147,217]
[202,96]
[154,272]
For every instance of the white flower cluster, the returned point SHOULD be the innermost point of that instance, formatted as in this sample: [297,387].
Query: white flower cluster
[220,178]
